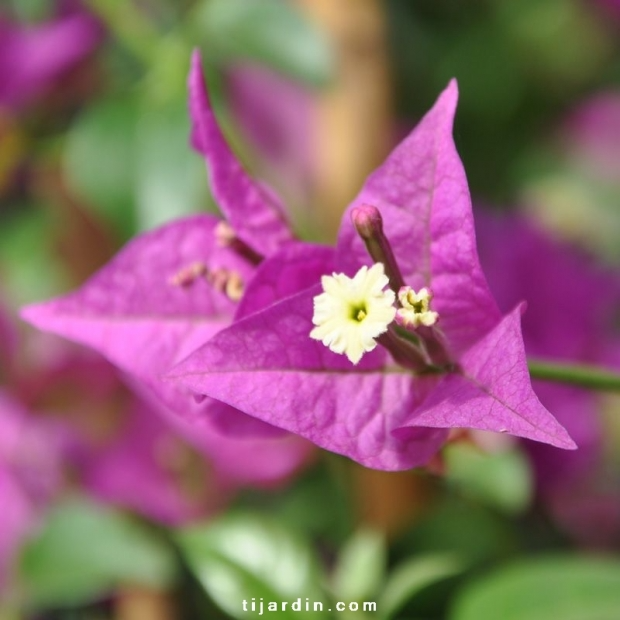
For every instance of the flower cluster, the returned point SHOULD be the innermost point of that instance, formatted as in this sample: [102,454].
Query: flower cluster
[267,358]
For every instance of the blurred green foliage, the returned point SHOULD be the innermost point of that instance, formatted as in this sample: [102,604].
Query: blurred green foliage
[251,557]
[361,566]
[579,588]
[32,10]
[99,160]
[82,553]
[268,32]
[502,479]
[521,65]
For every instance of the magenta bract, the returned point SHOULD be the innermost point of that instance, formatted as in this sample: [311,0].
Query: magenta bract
[31,58]
[158,302]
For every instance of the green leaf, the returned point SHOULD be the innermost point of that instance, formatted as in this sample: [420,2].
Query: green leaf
[500,479]
[413,576]
[241,557]
[99,160]
[570,588]
[267,31]
[361,566]
[84,550]
[171,180]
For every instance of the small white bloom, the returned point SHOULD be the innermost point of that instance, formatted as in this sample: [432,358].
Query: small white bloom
[415,309]
[352,312]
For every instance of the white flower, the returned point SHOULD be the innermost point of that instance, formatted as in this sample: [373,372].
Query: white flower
[415,309]
[352,312]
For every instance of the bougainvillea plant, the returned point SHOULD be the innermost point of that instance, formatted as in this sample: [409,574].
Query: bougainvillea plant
[373,350]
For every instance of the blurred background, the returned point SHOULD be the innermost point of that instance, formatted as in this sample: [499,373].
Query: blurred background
[106,511]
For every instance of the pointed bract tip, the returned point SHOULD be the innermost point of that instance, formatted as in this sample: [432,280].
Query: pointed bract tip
[196,60]
[48,316]
[30,313]
[569,444]
[195,69]
[447,100]
[199,105]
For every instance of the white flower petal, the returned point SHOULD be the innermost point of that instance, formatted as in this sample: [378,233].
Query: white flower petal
[352,312]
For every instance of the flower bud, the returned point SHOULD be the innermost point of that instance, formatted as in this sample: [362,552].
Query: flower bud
[367,221]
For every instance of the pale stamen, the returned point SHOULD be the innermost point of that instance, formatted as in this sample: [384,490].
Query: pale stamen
[186,276]
[415,310]
[225,281]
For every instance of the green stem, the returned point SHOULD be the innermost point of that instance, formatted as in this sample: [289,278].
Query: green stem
[582,375]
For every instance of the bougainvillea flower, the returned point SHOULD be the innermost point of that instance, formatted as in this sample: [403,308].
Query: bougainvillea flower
[30,460]
[32,57]
[170,290]
[388,411]
[523,262]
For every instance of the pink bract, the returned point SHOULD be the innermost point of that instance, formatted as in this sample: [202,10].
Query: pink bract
[32,57]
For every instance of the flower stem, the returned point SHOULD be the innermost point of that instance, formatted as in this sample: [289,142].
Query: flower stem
[369,225]
[582,375]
